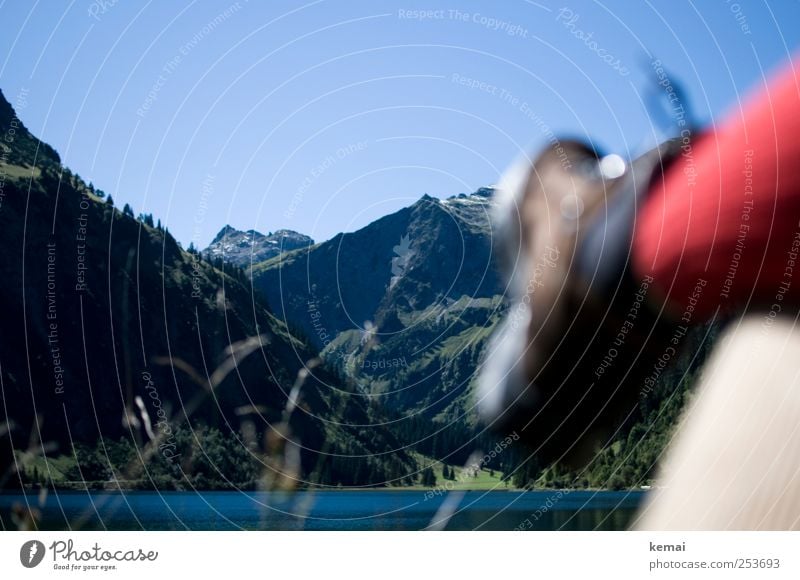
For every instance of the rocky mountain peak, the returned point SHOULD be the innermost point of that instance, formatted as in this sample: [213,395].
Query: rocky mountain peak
[243,248]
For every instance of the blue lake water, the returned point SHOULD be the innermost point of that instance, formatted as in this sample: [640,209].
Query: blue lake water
[326,510]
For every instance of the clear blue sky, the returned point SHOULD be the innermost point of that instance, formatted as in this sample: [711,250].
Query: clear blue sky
[322,116]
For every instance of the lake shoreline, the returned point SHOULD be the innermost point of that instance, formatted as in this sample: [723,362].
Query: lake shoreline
[438,490]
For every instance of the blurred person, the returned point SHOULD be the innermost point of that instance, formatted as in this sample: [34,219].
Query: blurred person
[610,262]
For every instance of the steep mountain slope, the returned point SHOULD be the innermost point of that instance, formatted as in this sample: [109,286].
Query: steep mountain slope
[251,247]
[108,326]
[403,307]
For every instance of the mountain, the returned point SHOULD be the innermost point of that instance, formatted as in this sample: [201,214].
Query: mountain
[112,332]
[251,247]
[402,307]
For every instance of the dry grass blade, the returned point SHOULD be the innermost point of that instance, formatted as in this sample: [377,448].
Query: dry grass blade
[453,499]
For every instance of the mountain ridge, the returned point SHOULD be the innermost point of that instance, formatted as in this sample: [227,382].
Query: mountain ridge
[243,248]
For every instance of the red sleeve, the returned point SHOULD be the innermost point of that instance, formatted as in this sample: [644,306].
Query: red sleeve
[722,227]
